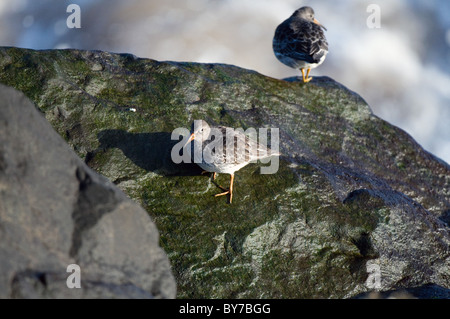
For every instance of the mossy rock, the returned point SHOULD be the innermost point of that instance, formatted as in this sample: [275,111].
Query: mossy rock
[351,189]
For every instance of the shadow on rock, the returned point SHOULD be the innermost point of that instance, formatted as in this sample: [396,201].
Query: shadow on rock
[427,291]
[150,151]
[321,81]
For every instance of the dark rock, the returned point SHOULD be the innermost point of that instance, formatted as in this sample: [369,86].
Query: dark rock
[55,211]
[352,193]
[429,291]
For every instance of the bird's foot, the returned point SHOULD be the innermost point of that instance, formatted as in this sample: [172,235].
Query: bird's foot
[223,194]
[228,192]
[306,77]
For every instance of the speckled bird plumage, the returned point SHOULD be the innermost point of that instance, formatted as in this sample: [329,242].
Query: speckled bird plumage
[221,159]
[299,41]
[245,149]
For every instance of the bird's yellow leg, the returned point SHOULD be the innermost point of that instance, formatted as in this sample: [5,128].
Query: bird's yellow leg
[222,194]
[229,191]
[303,75]
[307,77]
[231,188]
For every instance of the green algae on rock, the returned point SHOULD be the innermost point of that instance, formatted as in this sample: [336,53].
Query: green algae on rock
[351,190]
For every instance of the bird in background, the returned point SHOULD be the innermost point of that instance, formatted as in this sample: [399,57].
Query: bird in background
[299,42]
[245,150]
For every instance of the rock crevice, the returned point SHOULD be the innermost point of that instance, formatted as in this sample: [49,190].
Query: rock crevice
[53,213]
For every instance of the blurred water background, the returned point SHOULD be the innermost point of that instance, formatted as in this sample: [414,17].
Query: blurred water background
[402,69]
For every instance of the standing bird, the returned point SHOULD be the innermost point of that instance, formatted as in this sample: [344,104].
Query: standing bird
[300,42]
[224,150]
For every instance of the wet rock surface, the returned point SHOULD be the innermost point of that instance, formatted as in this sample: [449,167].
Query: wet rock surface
[352,193]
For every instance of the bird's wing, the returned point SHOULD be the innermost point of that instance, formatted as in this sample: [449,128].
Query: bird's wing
[304,41]
[237,147]
[248,149]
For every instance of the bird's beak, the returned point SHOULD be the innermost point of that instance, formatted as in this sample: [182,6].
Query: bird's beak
[318,23]
[191,138]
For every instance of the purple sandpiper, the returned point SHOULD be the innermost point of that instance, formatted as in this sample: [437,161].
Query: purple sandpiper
[300,42]
[222,159]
